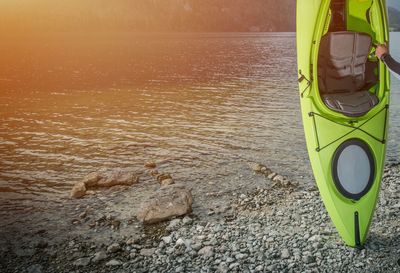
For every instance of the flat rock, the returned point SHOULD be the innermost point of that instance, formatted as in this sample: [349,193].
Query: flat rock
[165,203]
[91,179]
[114,263]
[82,261]
[117,177]
[206,251]
[147,251]
[104,178]
[99,256]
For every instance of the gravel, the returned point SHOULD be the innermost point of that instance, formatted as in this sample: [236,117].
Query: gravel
[271,229]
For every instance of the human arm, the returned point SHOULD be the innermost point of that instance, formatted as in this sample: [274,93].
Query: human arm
[382,53]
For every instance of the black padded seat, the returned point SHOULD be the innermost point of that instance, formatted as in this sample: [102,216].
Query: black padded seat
[344,73]
[354,104]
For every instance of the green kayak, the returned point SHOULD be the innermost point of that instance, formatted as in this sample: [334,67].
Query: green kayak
[344,94]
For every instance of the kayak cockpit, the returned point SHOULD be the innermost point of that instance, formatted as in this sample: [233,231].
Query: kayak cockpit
[345,74]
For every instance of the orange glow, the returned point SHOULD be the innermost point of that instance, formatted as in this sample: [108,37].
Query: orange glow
[32,16]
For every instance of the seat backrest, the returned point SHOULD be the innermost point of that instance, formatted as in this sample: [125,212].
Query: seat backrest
[342,61]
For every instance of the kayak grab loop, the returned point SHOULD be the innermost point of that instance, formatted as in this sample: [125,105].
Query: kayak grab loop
[313,115]
[301,79]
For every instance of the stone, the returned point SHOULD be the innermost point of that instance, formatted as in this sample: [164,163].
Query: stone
[167,239]
[118,177]
[271,176]
[206,251]
[115,224]
[99,256]
[167,182]
[132,241]
[163,176]
[147,251]
[308,259]
[314,238]
[278,178]
[255,167]
[174,224]
[83,215]
[165,203]
[82,262]
[35,268]
[240,256]
[78,190]
[113,248]
[153,173]
[223,268]
[150,165]
[285,254]
[196,246]
[91,179]
[180,242]
[187,220]
[114,263]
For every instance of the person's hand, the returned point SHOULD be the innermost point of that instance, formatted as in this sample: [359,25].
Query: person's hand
[381,50]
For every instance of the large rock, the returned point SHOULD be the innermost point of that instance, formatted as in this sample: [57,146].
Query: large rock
[166,203]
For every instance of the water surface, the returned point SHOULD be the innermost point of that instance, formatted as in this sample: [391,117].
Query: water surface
[201,104]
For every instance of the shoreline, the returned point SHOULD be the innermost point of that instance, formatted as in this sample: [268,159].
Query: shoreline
[270,228]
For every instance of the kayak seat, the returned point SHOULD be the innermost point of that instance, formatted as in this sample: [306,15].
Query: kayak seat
[344,73]
[351,104]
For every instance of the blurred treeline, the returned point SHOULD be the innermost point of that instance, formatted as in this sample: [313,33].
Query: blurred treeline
[155,15]
[148,15]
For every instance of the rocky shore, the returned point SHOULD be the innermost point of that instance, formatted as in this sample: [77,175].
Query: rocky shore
[277,227]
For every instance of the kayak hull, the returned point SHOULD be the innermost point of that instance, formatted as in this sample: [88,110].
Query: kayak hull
[328,133]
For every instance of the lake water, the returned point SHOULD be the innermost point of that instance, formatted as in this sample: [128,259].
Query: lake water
[200,104]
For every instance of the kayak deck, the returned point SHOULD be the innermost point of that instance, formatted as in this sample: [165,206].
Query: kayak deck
[344,94]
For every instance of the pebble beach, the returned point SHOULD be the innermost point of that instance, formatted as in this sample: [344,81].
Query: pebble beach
[275,227]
